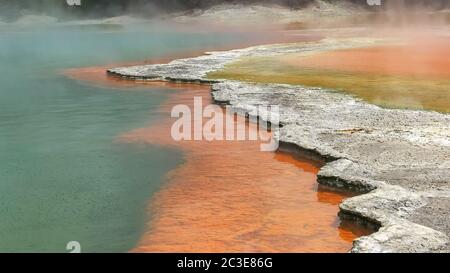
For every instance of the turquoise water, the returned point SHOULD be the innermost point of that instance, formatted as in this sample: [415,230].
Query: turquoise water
[63,177]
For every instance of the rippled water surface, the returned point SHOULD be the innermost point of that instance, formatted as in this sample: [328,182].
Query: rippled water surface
[63,175]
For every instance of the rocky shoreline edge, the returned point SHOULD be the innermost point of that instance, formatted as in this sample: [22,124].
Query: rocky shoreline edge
[397,159]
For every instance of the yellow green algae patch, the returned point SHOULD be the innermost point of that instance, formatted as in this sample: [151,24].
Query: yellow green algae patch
[390,91]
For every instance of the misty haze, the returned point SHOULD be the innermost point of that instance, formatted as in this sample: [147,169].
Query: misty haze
[138,126]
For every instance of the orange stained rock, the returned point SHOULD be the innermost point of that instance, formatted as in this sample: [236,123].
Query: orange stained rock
[228,196]
[428,57]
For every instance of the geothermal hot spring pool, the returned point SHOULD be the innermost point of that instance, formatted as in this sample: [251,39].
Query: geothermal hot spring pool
[88,162]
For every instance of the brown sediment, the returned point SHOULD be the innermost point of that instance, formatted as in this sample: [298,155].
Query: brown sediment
[228,196]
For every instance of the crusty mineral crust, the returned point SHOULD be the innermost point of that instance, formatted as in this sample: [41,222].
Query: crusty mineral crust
[399,159]
[196,69]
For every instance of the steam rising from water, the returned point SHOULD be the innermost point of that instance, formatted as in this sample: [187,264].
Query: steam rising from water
[393,13]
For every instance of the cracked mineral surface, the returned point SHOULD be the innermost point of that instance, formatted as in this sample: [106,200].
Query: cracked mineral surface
[398,159]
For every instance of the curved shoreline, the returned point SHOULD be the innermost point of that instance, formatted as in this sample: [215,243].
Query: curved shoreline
[270,204]
[316,210]
[384,204]
[392,201]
